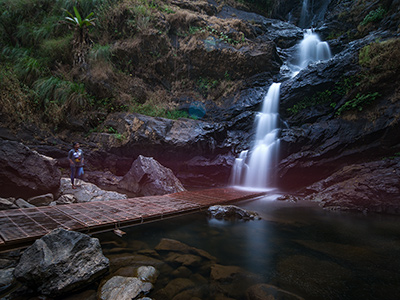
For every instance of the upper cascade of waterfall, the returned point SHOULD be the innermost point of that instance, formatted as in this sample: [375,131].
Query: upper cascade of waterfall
[312,49]
[312,12]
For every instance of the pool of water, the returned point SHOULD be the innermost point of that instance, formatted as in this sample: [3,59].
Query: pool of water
[297,247]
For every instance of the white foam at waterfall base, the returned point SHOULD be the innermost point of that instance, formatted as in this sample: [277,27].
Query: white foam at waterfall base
[255,169]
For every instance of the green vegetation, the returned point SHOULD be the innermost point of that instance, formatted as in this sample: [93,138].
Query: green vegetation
[205,85]
[223,36]
[47,49]
[374,16]
[77,20]
[358,103]
[120,137]
[340,89]
[154,111]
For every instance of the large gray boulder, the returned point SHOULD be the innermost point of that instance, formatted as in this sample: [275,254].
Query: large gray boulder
[26,173]
[85,192]
[147,177]
[60,262]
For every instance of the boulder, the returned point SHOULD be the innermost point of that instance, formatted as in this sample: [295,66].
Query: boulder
[147,274]
[147,177]
[224,273]
[66,199]
[7,279]
[231,212]
[7,203]
[85,192]
[26,173]
[60,262]
[23,204]
[170,245]
[124,288]
[42,200]
[367,187]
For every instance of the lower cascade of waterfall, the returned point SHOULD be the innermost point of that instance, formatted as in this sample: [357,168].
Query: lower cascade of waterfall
[256,168]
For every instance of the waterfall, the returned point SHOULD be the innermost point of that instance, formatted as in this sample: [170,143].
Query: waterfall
[304,15]
[312,12]
[256,168]
[312,49]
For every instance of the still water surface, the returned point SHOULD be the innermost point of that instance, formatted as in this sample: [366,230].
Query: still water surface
[298,247]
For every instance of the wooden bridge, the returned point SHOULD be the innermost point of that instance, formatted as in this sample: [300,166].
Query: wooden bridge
[21,227]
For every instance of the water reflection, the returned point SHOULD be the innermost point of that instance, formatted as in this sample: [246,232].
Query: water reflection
[298,247]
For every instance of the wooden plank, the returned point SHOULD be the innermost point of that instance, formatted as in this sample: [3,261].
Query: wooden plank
[17,225]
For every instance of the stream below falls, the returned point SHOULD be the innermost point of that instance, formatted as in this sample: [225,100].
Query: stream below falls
[298,247]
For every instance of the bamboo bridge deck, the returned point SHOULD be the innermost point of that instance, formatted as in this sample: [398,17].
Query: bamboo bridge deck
[21,227]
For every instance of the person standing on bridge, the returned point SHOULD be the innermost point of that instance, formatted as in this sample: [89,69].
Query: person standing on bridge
[76,162]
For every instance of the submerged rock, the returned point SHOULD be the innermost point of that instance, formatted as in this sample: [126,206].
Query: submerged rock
[231,212]
[60,262]
[124,288]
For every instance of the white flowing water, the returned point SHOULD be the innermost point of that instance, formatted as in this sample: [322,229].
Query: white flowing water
[312,49]
[256,168]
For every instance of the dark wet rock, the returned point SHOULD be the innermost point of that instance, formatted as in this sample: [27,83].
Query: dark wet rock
[85,192]
[147,177]
[118,261]
[187,260]
[157,137]
[176,286]
[60,262]
[87,295]
[366,187]
[182,271]
[283,34]
[41,200]
[124,288]
[224,273]
[25,173]
[267,291]
[170,245]
[66,199]
[317,142]
[103,179]
[21,203]
[7,203]
[231,212]
[7,279]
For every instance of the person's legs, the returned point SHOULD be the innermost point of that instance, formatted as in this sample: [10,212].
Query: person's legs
[73,170]
[78,174]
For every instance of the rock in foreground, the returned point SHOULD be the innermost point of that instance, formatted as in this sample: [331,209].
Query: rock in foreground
[231,212]
[60,262]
